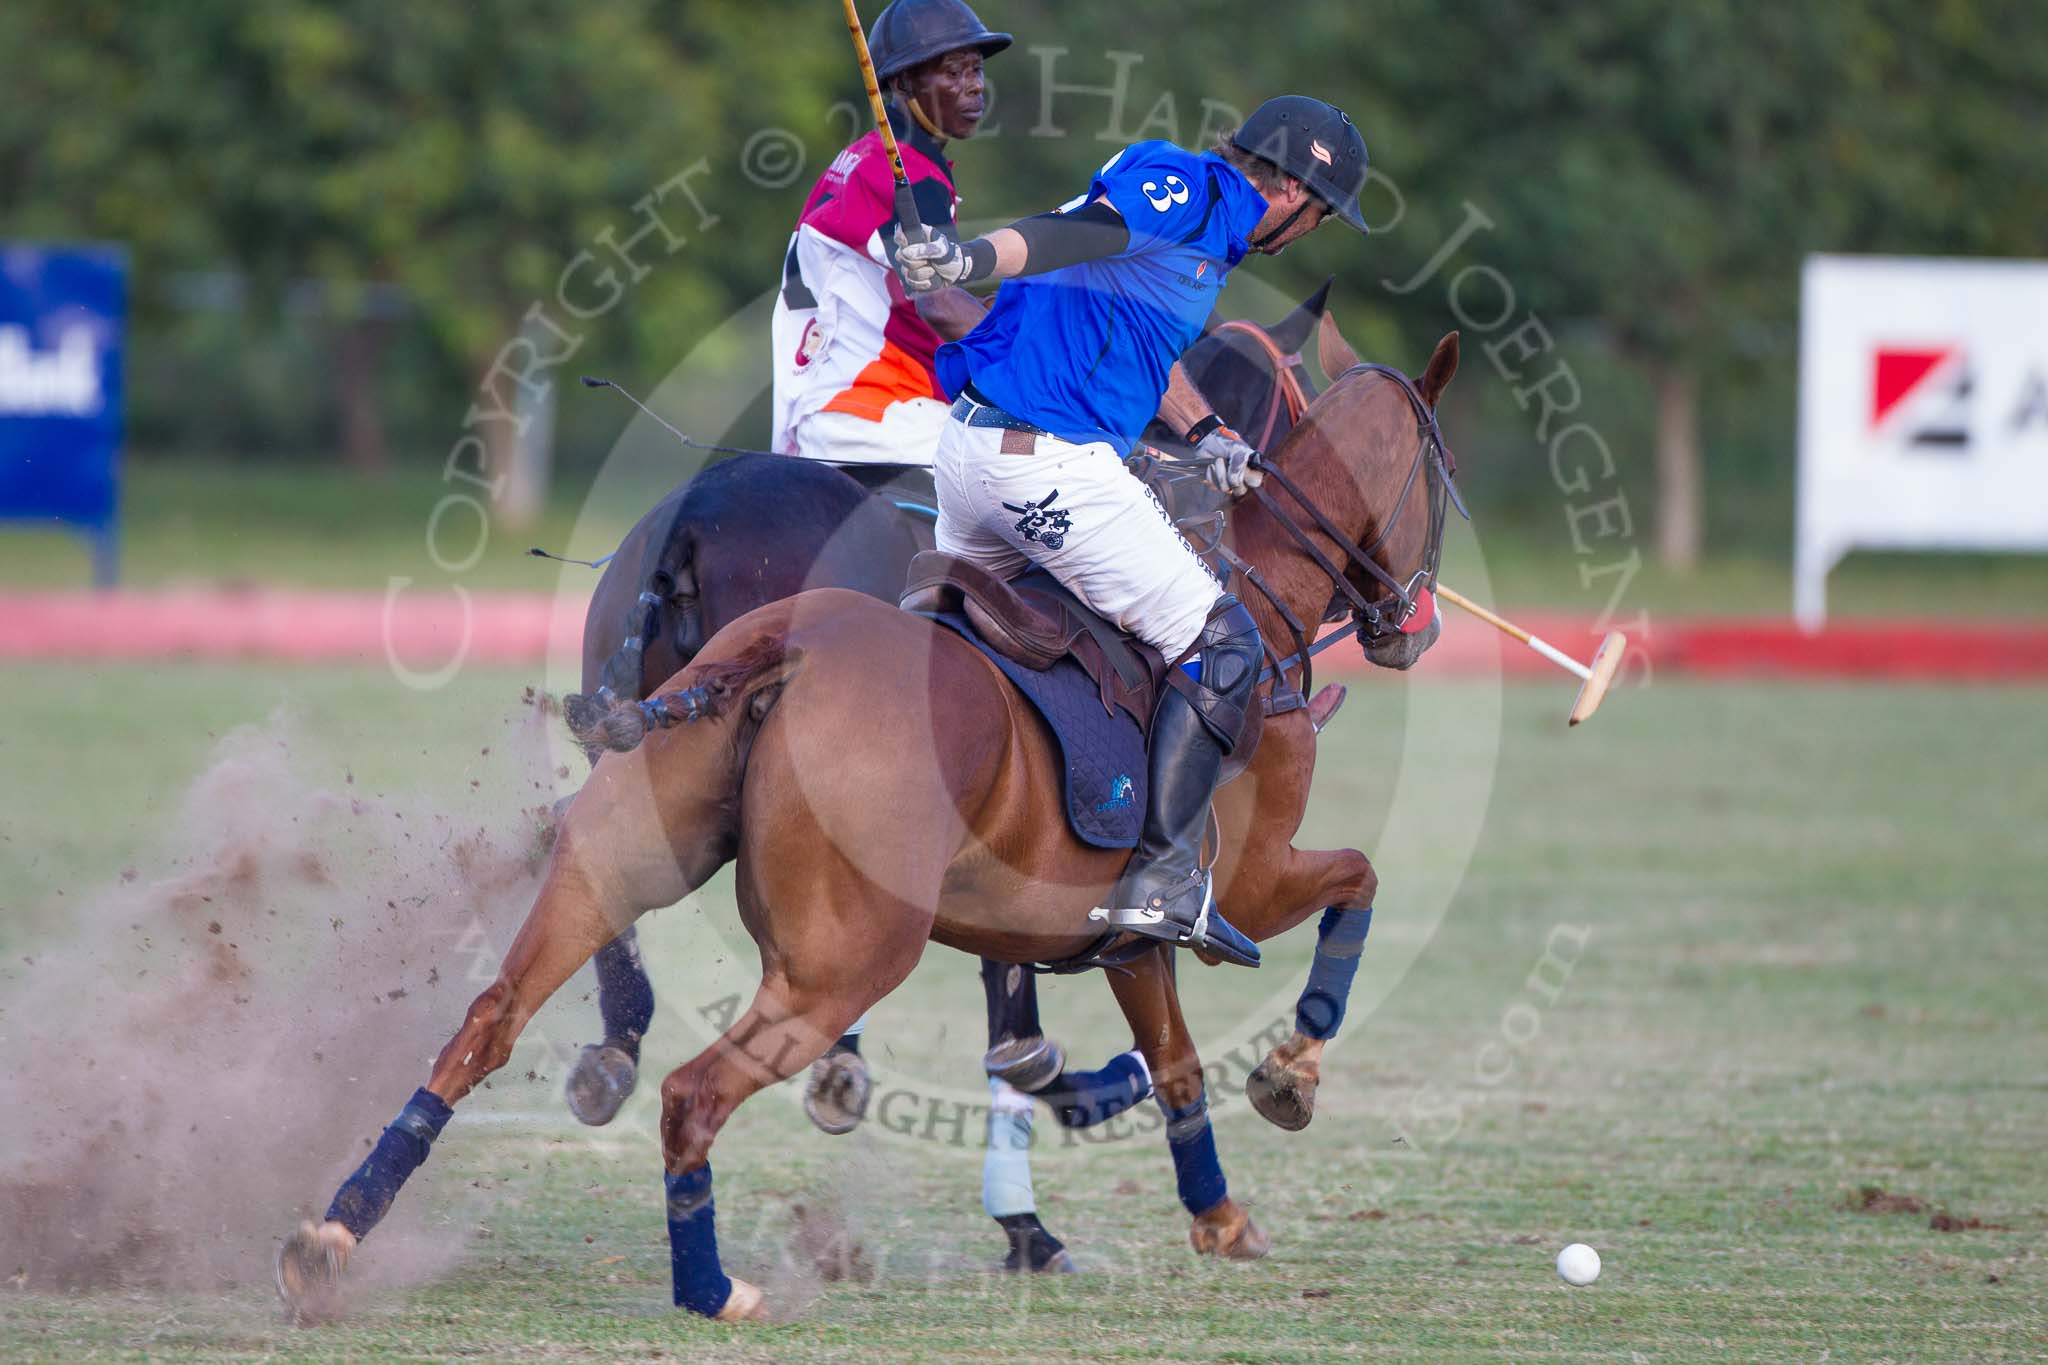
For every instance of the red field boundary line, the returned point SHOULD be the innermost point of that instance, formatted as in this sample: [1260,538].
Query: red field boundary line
[422,629]
[426,630]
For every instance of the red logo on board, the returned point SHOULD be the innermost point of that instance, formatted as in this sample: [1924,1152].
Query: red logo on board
[1898,371]
[1930,385]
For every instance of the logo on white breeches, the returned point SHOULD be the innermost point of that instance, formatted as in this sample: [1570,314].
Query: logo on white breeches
[1042,522]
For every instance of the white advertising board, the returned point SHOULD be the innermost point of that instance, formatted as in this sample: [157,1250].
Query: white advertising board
[1923,411]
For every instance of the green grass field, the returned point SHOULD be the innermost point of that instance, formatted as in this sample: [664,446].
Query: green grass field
[1811,930]
[307,525]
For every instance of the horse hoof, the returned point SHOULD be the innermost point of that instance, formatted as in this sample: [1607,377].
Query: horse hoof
[600,1082]
[1284,1097]
[1029,1064]
[310,1266]
[836,1097]
[1059,1263]
[1235,1237]
[743,1304]
[1034,1249]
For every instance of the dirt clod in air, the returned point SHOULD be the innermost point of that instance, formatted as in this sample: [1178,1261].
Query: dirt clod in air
[822,1239]
[160,1122]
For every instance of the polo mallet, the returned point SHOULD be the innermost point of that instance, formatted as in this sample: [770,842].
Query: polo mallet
[906,203]
[1595,677]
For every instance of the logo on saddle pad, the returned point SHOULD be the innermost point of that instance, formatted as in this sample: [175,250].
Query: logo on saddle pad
[1041,522]
[1120,794]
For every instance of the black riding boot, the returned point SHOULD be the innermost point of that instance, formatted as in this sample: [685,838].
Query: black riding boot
[1164,892]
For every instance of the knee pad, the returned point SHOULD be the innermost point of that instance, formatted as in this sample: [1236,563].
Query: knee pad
[1230,654]
[1231,650]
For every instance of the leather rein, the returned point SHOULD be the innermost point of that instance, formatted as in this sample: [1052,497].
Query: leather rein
[1373,618]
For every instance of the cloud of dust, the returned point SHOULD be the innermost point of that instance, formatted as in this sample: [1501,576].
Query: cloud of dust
[210,1047]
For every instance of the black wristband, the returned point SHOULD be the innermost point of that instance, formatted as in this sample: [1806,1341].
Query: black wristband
[1203,428]
[981,260]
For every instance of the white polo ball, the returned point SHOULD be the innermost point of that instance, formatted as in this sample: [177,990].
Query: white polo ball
[1578,1264]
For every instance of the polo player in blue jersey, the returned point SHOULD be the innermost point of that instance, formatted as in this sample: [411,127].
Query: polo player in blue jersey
[1051,388]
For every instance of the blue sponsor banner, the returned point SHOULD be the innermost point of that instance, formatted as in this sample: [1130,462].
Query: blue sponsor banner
[63,314]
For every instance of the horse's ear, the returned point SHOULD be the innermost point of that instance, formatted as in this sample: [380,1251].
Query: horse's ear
[1332,350]
[1290,334]
[1443,363]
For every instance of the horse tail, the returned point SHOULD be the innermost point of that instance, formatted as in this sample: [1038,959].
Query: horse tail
[622,678]
[741,683]
[621,674]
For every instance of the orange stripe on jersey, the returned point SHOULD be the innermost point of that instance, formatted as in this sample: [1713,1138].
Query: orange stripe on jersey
[890,378]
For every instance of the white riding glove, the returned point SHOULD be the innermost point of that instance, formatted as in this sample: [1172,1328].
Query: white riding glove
[1230,461]
[929,265]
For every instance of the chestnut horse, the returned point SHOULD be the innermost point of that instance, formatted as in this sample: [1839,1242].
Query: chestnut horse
[880,785]
[757,528]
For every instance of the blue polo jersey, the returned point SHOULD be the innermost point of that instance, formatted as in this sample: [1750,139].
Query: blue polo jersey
[1084,351]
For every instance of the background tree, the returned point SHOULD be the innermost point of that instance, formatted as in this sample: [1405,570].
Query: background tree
[391,185]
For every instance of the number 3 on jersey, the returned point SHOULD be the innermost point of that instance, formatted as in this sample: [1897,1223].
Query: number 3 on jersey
[1176,193]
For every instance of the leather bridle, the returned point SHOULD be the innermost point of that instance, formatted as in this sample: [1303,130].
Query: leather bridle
[1288,390]
[1372,618]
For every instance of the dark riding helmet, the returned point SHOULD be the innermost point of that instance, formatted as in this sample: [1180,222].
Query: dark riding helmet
[1315,143]
[911,32]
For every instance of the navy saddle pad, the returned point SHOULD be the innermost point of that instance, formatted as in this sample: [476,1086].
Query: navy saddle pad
[1103,750]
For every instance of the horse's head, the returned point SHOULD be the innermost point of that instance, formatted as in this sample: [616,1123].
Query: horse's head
[1375,478]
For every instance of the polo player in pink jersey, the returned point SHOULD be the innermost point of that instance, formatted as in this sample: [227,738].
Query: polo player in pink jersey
[852,351]
[854,384]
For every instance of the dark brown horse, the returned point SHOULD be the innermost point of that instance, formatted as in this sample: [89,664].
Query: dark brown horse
[746,531]
[880,785]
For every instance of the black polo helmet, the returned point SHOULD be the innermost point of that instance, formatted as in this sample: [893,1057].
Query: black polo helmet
[911,32]
[1315,143]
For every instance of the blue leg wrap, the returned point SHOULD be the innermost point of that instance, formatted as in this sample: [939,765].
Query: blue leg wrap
[1195,1166]
[700,1285]
[365,1197]
[1006,1166]
[1082,1099]
[624,996]
[1340,938]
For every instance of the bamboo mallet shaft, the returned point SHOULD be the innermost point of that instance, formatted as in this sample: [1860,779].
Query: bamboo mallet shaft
[1595,677]
[906,203]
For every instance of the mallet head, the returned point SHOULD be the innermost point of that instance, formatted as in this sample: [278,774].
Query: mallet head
[1606,663]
